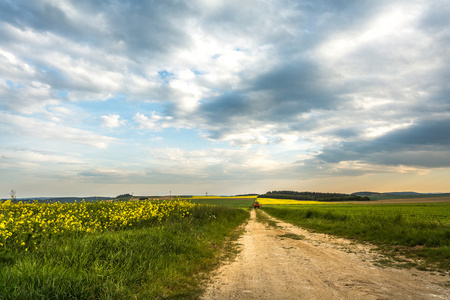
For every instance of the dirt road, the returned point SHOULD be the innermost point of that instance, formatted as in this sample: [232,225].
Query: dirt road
[318,266]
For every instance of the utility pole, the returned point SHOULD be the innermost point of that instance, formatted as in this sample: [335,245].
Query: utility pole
[13,196]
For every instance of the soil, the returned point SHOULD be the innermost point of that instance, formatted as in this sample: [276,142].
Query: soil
[288,262]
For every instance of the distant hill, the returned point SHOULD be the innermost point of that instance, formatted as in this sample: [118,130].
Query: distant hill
[366,193]
[403,193]
[62,199]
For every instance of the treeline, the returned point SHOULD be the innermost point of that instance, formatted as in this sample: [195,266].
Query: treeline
[313,196]
[124,196]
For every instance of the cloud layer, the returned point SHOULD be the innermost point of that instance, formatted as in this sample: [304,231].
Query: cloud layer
[255,95]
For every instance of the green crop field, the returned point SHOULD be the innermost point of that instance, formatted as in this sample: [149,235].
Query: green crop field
[420,231]
[414,197]
[439,212]
[225,201]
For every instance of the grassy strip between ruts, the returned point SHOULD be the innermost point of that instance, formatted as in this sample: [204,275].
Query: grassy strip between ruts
[264,219]
[149,262]
[420,232]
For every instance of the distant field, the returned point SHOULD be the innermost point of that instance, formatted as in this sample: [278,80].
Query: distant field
[412,200]
[416,196]
[272,201]
[236,202]
[246,201]
[223,197]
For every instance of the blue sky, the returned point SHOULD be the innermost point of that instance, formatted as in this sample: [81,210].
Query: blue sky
[224,97]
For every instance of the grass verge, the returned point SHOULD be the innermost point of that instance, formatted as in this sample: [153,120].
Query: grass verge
[158,262]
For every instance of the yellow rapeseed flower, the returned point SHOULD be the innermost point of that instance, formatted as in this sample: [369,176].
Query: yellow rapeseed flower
[39,220]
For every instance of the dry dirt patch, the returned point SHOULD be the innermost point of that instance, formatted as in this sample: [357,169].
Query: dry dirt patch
[273,264]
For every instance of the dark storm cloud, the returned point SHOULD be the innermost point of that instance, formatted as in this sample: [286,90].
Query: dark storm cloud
[228,106]
[295,88]
[41,17]
[345,132]
[142,25]
[424,145]
[426,133]
[279,95]
[150,25]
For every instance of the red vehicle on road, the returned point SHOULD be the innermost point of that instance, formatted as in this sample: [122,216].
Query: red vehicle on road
[256,205]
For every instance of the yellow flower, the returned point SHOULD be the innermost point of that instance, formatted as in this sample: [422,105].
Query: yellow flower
[40,220]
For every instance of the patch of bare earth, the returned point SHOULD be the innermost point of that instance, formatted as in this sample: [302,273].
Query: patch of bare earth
[316,266]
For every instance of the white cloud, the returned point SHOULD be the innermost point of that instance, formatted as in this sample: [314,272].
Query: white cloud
[18,126]
[12,67]
[112,121]
[226,162]
[155,122]
[17,157]
[26,99]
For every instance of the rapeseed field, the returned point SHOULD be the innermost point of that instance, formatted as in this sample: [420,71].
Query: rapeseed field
[148,249]
[23,225]
[273,201]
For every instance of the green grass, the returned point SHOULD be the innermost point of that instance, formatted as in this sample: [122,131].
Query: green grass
[264,219]
[292,236]
[159,262]
[419,231]
[236,203]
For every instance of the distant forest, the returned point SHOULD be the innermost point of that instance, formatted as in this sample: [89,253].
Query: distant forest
[313,196]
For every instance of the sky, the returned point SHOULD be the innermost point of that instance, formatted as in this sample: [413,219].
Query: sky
[223,97]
